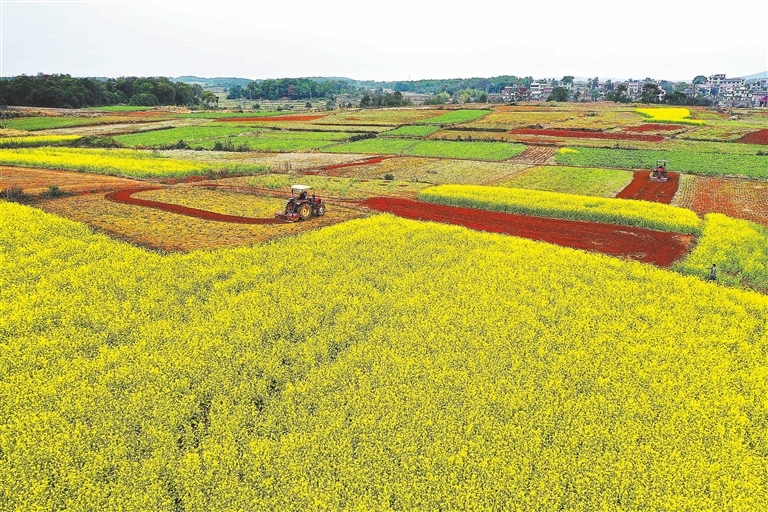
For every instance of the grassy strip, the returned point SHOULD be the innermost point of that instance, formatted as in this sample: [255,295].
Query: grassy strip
[495,151]
[456,116]
[36,140]
[125,162]
[739,248]
[412,131]
[571,180]
[711,164]
[625,212]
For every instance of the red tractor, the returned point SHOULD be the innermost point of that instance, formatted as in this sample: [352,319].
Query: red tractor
[301,205]
[659,172]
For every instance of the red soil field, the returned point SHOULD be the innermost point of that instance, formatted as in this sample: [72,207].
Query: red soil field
[582,134]
[124,196]
[653,127]
[272,118]
[758,137]
[656,247]
[641,187]
[740,199]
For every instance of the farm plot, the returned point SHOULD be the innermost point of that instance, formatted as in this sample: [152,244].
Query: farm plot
[625,212]
[676,115]
[512,120]
[146,382]
[600,119]
[714,164]
[125,162]
[424,171]
[570,180]
[36,141]
[266,144]
[188,134]
[224,202]
[170,232]
[39,181]
[411,131]
[741,199]
[375,146]
[47,123]
[495,151]
[719,131]
[739,248]
[380,117]
[585,134]
[332,187]
[455,117]
[758,137]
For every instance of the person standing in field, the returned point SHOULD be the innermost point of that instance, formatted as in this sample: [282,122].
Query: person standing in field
[712,273]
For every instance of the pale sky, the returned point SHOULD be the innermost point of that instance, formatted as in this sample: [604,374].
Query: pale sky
[392,40]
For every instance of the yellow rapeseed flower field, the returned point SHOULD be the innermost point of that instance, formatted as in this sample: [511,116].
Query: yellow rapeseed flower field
[626,212]
[36,140]
[669,115]
[377,364]
[127,162]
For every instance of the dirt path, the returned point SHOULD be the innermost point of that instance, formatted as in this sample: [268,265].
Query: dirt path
[656,247]
[535,155]
[124,196]
[641,187]
[325,169]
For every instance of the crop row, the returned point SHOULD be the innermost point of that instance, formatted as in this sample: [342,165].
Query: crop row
[427,367]
[36,140]
[713,164]
[566,206]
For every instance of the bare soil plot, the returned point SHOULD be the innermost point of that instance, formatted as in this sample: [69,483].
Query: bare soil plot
[642,188]
[741,199]
[36,181]
[656,247]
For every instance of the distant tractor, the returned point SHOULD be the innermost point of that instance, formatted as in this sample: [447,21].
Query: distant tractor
[659,172]
[301,206]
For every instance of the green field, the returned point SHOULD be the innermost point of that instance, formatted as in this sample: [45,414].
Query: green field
[188,134]
[411,131]
[712,164]
[495,151]
[377,146]
[571,180]
[454,117]
[266,144]
[47,123]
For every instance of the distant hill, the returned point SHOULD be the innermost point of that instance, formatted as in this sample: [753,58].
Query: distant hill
[764,74]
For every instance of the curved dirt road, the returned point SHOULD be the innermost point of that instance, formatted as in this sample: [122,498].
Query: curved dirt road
[656,247]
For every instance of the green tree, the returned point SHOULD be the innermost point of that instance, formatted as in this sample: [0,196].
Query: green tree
[650,93]
[208,98]
[558,94]
[700,79]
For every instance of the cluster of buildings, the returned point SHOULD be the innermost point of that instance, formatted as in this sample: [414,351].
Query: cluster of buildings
[717,89]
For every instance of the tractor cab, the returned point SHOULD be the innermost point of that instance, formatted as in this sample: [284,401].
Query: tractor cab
[301,205]
[659,172]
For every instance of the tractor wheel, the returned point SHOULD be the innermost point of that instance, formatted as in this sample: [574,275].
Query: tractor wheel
[305,211]
[321,210]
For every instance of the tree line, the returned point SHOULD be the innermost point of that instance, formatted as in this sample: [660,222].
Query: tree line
[65,91]
[292,88]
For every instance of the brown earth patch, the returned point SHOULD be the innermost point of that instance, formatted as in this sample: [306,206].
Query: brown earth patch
[737,198]
[642,188]
[268,118]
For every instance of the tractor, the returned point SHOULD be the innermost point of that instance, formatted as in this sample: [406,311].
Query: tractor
[659,172]
[301,206]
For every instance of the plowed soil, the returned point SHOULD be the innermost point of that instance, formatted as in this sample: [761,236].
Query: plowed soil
[758,137]
[536,155]
[583,134]
[656,247]
[641,187]
[124,196]
[368,161]
[740,199]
